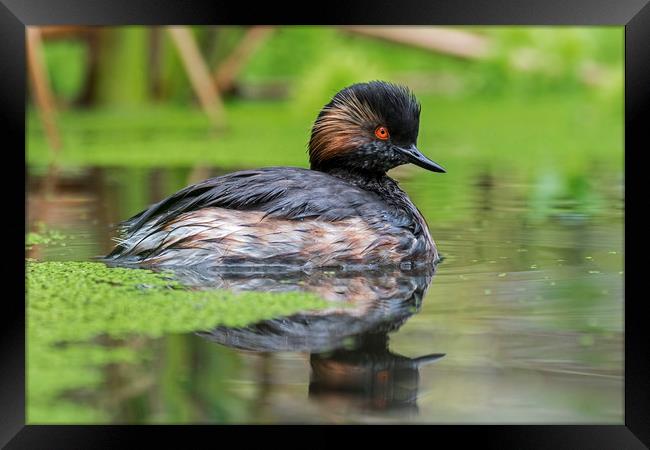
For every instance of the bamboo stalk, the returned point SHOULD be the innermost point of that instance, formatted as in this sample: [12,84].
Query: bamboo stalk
[439,39]
[66,31]
[229,69]
[41,85]
[199,74]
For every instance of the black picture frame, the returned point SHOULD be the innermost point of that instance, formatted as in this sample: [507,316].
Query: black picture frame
[15,15]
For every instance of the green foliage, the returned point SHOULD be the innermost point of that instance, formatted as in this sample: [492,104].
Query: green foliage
[124,78]
[72,306]
[65,61]
[543,94]
[525,61]
[334,72]
[528,61]
[541,60]
[288,53]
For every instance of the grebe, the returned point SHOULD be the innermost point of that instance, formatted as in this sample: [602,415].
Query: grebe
[344,211]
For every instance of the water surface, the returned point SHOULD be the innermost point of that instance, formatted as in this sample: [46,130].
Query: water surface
[522,321]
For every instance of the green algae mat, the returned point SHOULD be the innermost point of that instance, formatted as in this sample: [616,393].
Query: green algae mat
[75,310]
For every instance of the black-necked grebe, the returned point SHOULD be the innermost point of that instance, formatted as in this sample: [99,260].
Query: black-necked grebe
[344,211]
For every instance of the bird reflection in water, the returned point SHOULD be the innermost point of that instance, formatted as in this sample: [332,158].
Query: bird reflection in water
[351,363]
[368,374]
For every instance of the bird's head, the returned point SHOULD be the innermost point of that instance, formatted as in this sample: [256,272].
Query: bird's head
[368,126]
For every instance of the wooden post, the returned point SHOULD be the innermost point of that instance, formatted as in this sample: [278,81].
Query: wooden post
[199,74]
[227,71]
[452,42]
[41,85]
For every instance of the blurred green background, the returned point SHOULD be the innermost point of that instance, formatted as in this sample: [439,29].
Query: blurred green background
[534,95]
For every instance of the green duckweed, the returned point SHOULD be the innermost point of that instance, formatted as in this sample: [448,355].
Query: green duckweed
[43,237]
[73,308]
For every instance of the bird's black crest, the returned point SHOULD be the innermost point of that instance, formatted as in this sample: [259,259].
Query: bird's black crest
[393,103]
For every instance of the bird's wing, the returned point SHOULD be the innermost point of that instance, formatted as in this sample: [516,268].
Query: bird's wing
[284,193]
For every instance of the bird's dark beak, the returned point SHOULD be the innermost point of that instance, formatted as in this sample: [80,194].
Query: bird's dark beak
[427,359]
[415,156]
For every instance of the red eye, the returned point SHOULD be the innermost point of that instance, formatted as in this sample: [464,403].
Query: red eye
[382,133]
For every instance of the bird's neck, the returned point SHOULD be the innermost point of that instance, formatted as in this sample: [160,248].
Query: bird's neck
[377,182]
